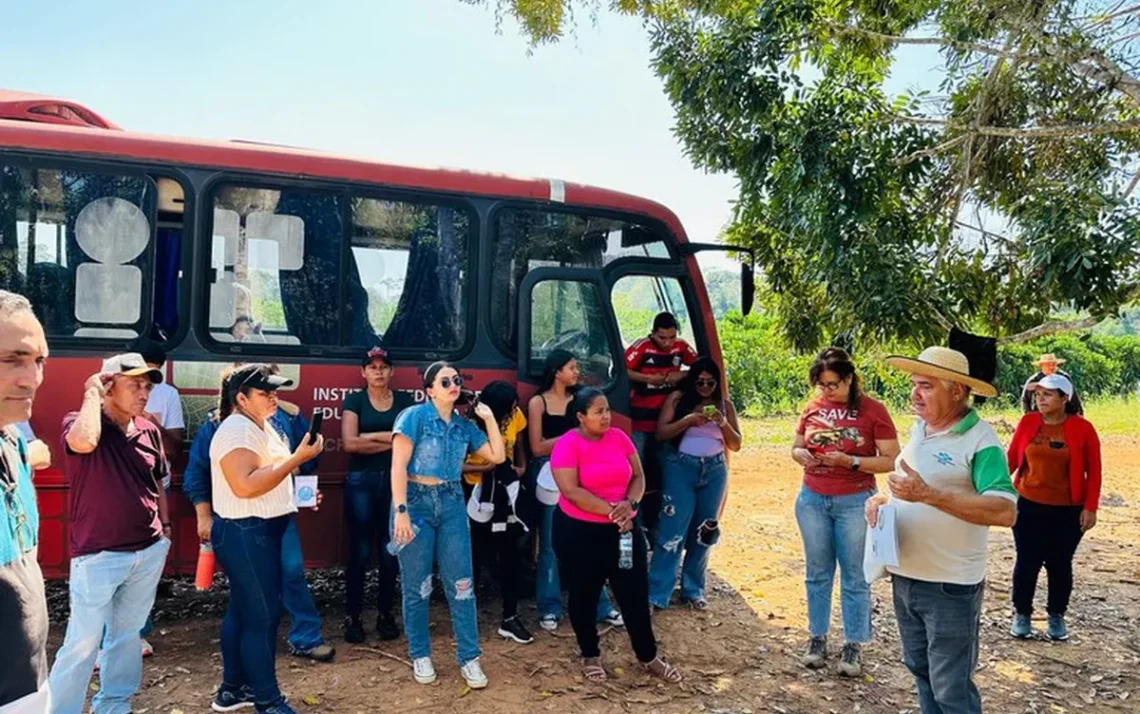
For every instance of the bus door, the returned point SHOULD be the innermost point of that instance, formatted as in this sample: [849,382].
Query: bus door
[568,308]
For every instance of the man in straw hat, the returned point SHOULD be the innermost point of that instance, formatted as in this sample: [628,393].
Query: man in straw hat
[951,483]
[1047,364]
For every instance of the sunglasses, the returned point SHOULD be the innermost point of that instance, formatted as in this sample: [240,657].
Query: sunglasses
[706,382]
[446,382]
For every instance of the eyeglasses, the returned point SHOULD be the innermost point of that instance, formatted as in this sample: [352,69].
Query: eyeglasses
[706,382]
[830,386]
[446,382]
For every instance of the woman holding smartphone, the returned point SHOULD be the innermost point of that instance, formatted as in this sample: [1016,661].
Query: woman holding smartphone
[701,423]
[429,516]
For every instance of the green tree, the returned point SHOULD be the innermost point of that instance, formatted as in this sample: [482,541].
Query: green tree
[1005,195]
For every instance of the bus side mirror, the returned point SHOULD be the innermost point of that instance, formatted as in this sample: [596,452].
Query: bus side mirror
[747,287]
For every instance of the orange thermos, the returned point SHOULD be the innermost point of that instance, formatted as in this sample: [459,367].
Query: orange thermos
[204,576]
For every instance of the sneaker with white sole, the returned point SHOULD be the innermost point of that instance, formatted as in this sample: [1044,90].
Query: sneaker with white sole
[513,629]
[423,670]
[548,623]
[473,674]
[614,619]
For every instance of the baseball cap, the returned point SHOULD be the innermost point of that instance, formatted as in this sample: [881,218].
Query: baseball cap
[376,353]
[131,364]
[257,376]
[1054,381]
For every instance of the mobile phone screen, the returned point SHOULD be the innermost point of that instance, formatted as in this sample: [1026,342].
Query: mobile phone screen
[318,417]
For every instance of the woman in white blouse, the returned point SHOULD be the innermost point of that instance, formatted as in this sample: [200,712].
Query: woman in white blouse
[251,473]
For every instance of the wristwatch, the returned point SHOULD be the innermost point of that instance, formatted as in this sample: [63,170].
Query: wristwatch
[856,462]
[402,508]
[633,505]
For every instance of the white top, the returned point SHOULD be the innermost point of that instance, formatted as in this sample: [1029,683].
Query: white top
[933,545]
[239,432]
[165,404]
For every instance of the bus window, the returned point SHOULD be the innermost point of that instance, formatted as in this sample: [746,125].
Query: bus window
[275,256]
[638,298]
[80,246]
[528,239]
[568,314]
[411,260]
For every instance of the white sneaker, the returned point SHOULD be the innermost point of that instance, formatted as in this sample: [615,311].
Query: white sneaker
[614,618]
[549,623]
[423,670]
[473,673]
[147,648]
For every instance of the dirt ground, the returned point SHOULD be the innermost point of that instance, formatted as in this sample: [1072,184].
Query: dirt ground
[739,656]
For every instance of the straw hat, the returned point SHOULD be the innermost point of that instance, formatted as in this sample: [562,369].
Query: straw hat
[1048,357]
[943,363]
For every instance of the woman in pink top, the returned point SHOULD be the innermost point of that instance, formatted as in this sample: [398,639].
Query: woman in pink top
[596,535]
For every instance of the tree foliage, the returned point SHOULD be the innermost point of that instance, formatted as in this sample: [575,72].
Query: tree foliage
[1003,193]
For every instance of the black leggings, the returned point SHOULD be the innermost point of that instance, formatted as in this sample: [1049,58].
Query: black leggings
[588,557]
[1049,536]
[502,553]
[367,505]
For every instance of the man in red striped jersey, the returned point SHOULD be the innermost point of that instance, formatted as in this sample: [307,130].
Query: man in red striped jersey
[654,367]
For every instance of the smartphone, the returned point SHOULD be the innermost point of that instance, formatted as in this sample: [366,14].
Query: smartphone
[318,417]
[709,409]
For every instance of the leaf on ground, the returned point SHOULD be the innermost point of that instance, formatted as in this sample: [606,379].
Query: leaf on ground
[464,692]
[311,700]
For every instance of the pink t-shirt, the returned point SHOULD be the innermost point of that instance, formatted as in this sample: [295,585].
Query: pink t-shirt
[603,468]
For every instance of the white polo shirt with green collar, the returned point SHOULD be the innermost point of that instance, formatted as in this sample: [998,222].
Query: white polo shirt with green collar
[933,545]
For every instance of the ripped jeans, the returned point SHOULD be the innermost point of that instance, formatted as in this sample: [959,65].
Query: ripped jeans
[440,512]
[692,490]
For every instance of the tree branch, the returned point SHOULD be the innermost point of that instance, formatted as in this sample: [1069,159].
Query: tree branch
[1052,327]
[902,40]
[1132,185]
[931,151]
[1105,19]
[1043,132]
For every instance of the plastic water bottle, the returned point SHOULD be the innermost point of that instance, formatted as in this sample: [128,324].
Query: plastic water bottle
[625,550]
[394,547]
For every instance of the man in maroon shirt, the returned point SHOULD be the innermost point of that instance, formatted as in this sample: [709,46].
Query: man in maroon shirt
[119,533]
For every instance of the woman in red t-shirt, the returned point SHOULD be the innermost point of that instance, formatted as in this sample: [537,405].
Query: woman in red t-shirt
[843,439]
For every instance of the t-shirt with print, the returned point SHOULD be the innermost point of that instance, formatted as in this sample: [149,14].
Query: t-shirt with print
[23,607]
[1045,470]
[515,425]
[831,427]
[370,421]
[935,546]
[239,432]
[114,489]
[646,400]
[603,467]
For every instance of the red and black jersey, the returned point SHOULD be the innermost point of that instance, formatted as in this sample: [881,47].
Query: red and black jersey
[646,400]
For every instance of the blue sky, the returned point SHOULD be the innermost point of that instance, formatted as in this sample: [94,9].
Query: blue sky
[407,81]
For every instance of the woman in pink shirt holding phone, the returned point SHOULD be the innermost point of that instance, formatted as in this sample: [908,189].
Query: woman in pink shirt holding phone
[597,536]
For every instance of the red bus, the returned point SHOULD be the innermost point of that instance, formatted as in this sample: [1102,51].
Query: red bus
[238,251]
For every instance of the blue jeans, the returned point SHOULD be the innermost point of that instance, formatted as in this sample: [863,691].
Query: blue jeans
[652,454]
[305,630]
[548,586]
[113,591]
[692,491]
[367,504]
[834,529]
[250,550]
[938,623]
[440,512]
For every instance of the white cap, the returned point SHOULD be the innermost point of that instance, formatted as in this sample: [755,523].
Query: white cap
[131,364]
[1054,381]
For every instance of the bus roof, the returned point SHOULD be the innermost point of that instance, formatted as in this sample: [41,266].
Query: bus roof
[34,122]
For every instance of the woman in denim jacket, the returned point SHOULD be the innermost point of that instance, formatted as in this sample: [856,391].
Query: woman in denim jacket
[429,516]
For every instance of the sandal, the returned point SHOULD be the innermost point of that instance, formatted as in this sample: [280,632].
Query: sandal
[593,670]
[664,670]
